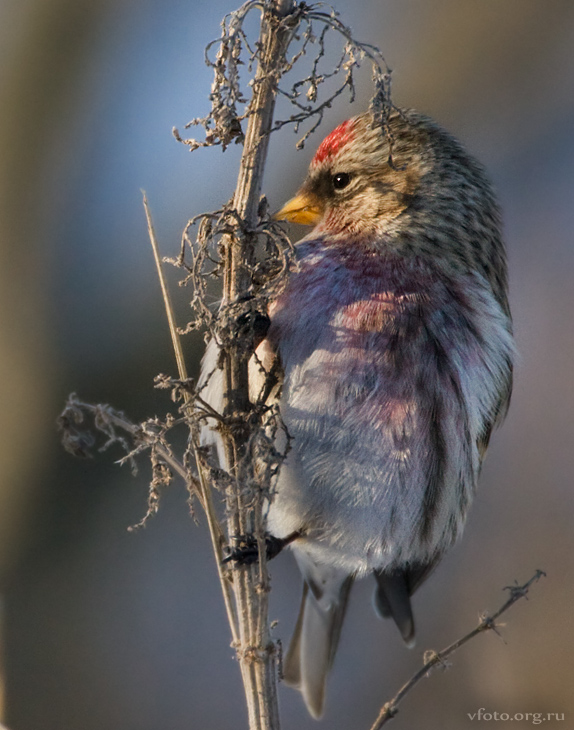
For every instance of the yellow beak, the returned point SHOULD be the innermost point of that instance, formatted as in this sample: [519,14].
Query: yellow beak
[302,209]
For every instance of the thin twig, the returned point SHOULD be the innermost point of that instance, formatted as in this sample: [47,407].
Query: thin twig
[175,340]
[77,442]
[215,531]
[432,659]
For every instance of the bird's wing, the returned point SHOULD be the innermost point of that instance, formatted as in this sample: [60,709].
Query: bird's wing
[499,416]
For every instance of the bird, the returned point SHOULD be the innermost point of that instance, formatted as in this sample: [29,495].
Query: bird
[394,338]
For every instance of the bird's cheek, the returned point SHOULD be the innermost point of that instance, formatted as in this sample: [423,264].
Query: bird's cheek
[337,221]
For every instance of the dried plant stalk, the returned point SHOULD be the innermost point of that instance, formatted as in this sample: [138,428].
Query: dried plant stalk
[204,488]
[226,247]
[256,650]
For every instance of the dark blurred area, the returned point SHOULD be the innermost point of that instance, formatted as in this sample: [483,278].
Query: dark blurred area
[106,628]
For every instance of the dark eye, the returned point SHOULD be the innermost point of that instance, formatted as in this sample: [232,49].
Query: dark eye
[341,180]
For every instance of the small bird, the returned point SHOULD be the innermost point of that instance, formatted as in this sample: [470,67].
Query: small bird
[395,342]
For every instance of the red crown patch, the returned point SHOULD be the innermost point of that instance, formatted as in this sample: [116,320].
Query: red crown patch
[333,142]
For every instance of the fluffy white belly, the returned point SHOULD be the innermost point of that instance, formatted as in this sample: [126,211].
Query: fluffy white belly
[385,396]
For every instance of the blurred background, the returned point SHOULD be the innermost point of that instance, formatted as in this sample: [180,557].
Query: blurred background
[102,628]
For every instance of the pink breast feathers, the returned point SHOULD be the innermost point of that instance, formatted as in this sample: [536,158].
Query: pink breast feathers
[373,314]
[369,315]
[334,141]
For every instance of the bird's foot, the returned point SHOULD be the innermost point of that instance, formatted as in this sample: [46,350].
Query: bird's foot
[246,551]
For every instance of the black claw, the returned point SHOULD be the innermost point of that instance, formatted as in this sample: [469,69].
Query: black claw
[246,552]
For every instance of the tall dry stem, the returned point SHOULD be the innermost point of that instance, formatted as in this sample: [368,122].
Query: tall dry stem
[241,247]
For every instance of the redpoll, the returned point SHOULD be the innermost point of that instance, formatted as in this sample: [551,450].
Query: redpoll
[395,341]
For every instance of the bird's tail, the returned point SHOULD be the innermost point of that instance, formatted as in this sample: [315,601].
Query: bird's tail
[393,593]
[317,632]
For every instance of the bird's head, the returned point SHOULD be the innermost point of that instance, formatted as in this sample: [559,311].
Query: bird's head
[361,178]
[408,187]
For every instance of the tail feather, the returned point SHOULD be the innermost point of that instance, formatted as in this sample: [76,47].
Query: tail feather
[316,637]
[393,591]
[392,599]
[292,660]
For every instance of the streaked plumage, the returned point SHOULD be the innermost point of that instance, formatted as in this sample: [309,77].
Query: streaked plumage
[395,341]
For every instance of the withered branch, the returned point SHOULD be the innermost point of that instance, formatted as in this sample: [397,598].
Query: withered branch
[237,259]
[433,659]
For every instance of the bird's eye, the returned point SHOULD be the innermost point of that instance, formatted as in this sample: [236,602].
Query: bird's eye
[341,180]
